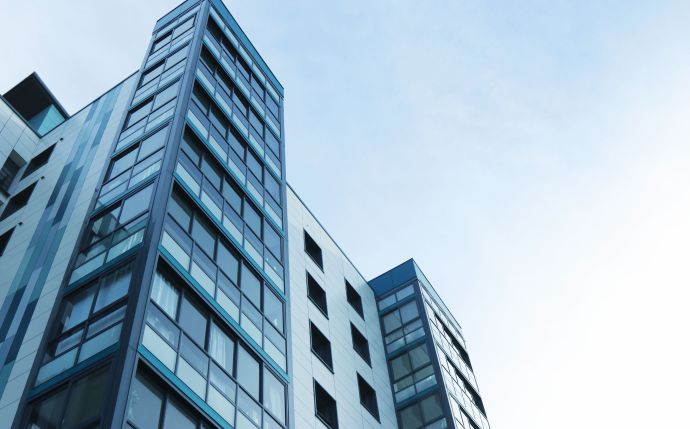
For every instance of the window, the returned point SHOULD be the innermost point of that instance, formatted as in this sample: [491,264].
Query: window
[317,295]
[138,113]
[321,346]
[360,344]
[18,201]
[274,396]
[4,240]
[273,309]
[75,405]
[248,372]
[39,161]
[326,409]
[367,397]
[460,379]
[422,413]
[402,326]
[354,299]
[313,250]
[396,297]
[90,321]
[146,401]
[9,170]
[412,373]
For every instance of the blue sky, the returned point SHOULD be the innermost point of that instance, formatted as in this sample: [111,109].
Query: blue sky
[533,158]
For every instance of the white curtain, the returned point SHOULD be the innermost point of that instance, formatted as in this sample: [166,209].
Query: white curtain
[221,348]
[165,295]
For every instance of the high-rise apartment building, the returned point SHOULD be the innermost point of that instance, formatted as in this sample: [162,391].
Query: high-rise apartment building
[158,272]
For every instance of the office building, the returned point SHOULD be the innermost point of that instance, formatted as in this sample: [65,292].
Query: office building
[159,272]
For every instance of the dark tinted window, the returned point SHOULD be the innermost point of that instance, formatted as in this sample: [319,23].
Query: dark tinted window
[316,294]
[321,346]
[39,161]
[326,409]
[313,250]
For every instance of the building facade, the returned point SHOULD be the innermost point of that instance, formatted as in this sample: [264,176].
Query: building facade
[158,271]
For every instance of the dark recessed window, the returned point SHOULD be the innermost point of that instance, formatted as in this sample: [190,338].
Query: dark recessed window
[18,201]
[313,250]
[360,344]
[317,295]
[4,240]
[9,171]
[367,397]
[39,161]
[321,346]
[354,299]
[326,409]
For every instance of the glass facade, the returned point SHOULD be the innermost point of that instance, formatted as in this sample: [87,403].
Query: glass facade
[430,371]
[174,309]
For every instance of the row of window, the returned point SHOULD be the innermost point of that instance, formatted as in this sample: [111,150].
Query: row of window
[262,193]
[255,126]
[321,346]
[211,361]
[230,146]
[236,58]
[221,189]
[326,408]
[221,110]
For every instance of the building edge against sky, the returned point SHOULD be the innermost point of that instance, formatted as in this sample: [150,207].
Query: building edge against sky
[159,268]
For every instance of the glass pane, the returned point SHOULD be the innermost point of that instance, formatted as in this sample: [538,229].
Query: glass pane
[248,372]
[274,395]
[114,287]
[86,400]
[144,405]
[77,309]
[251,286]
[180,211]
[409,311]
[135,204]
[193,321]
[273,309]
[175,418]
[165,295]
[391,321]
[202,235]
[221,348]
[152,143]
[121,163]
[46,414]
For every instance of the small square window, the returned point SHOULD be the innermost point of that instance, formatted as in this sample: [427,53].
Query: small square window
[320,346]
[326,409]
[18,201]
[354,299]
[313,250]
[38,161]
[4,240]
[317,295]
[360,344]
[367,397]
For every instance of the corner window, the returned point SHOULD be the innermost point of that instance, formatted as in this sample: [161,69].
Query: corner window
[317,295]
[354,299]
[320,346]
[367,397]
[313,250]
[326,409]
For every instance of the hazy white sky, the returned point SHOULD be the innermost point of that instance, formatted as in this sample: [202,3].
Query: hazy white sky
[532,156]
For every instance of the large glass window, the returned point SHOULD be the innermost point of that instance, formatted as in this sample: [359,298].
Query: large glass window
[422,413]
[412,373]
[212,361]
[90,321]
[76,405]
[151,406]
[402,326]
